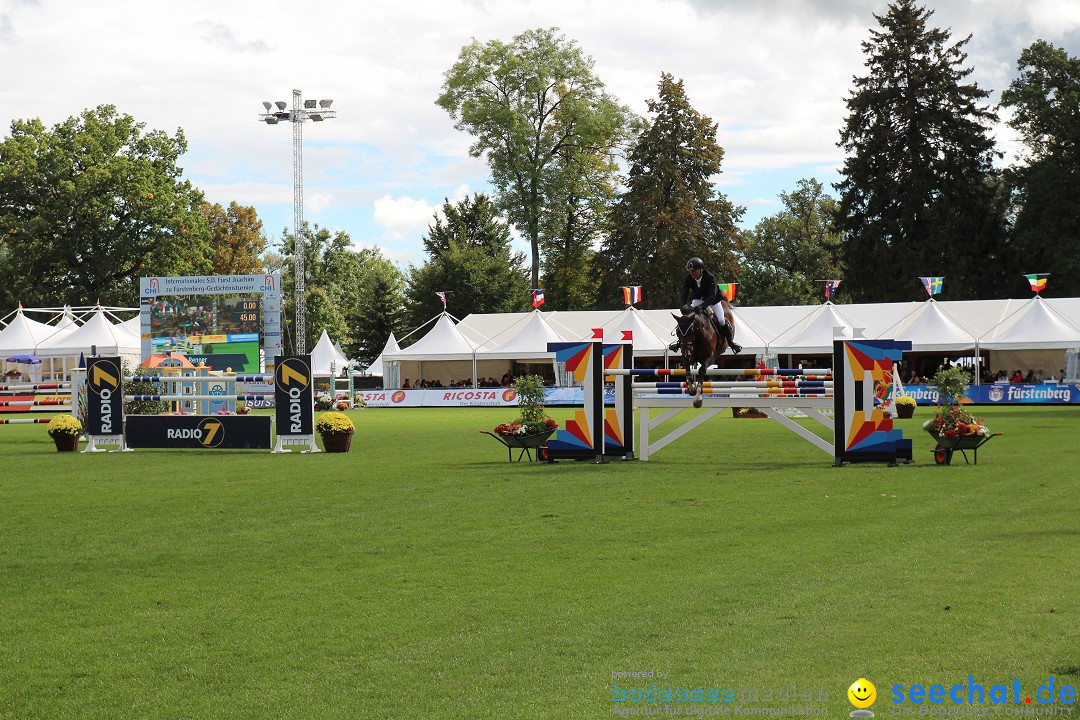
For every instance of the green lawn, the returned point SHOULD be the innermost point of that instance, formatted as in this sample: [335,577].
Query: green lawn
[422,576]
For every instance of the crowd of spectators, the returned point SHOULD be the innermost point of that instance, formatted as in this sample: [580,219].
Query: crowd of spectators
[507,380]
[481,382]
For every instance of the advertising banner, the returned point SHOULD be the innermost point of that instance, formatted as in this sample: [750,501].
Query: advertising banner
[206,432]
[294,398]
[104,397]
[1004,394]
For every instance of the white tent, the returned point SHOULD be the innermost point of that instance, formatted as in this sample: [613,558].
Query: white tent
[324,356]
[646,341]
[526,339]
[23,335]
[444,354]
[96,333]
[813,333]
[1033,337]
[391,346]
[929,327]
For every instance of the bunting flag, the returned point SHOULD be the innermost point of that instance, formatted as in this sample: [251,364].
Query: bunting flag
[932,285]
[1038,281]
[538,298]
[728,290]
[631,294]
[830,288]
[442,296]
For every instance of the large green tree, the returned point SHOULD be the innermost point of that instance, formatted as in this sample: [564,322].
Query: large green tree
[1045,98]
[919,195]
[671,210]
[92,204]
[471,260]
[539,115]
[327,264]
[236,239]
[787,254]
[380,308]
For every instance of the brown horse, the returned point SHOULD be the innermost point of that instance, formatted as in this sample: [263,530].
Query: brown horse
[700,343]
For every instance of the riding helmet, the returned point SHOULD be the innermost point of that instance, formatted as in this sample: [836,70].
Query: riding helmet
[694,263]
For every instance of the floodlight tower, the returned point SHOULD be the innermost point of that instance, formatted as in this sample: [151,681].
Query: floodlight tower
[316,111]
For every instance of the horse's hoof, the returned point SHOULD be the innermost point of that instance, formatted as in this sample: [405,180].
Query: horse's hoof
[697,402]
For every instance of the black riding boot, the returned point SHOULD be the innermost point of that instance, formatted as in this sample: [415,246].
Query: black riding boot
[725,331]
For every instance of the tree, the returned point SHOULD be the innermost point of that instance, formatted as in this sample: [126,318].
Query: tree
[380,310]
[92,204]
[470,259]
[919,194]
[787,253]
[671,211]
[325,255]
[533,106]
[571,228]
[236,239]
[1045,98]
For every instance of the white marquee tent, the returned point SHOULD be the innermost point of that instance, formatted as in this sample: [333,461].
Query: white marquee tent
[324,357]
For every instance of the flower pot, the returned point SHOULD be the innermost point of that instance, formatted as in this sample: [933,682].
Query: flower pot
[66,443]
[337,442]
[527,441]
[905,411]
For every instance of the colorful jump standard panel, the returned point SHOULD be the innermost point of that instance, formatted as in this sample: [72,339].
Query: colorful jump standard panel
[619,420]
[863,432]
[583,436]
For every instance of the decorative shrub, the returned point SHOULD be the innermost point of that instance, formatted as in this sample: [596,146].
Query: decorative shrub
[65,426]
[332,423]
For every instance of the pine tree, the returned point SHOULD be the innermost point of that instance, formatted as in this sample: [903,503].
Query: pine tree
[671,211]
[1046,100]
[919,194]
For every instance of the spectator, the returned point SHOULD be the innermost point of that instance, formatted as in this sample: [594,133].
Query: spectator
[1017,377]
[406,386]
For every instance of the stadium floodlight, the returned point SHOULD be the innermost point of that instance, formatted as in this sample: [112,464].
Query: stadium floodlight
[301,111]
[267,105]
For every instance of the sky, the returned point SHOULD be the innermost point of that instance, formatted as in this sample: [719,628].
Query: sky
[773,74]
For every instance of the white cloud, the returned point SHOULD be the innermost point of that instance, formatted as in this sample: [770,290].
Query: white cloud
[772,73]
[400,215]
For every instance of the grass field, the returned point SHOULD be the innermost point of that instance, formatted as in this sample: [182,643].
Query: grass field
[422,576]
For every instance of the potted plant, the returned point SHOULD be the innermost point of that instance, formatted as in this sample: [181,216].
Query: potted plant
[242,409]
[952,427]
[65,431]
[905,406]
[336,430]
[533,427]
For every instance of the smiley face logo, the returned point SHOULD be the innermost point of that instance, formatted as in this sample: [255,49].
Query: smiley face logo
[862,693]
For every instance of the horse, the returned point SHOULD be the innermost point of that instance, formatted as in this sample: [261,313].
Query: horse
[700,343]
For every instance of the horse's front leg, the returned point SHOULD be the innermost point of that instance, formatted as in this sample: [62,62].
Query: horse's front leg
[699,385]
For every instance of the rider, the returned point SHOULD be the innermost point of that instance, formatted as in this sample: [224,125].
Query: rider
[700,288]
